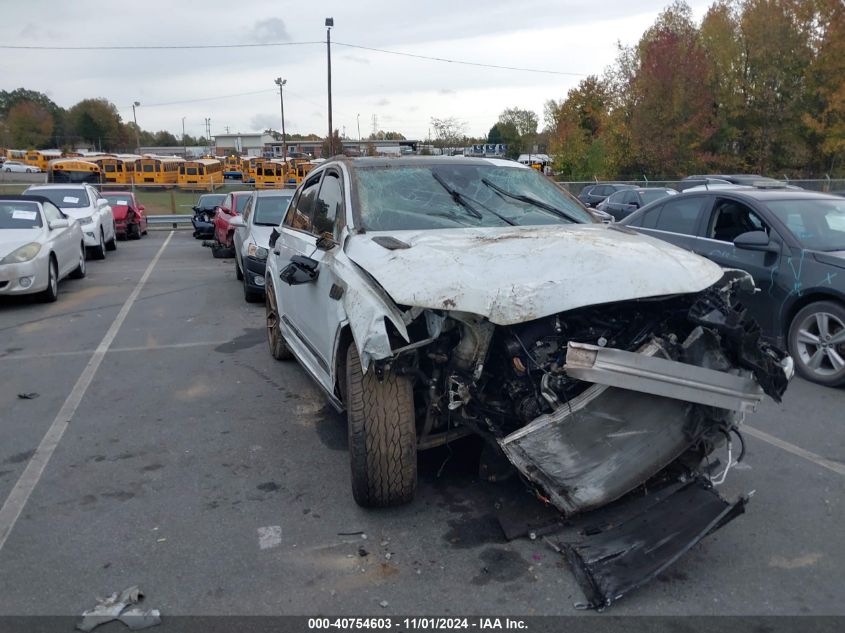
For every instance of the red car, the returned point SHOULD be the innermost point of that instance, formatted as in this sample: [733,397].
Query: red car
[231,206]
[130,219]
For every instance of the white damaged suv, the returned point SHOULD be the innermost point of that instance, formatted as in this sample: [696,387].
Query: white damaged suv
[432,298]
[84,203]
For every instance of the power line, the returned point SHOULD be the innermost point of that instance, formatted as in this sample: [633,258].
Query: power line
[457,61]
[146,47]
[267,44]
[239,94]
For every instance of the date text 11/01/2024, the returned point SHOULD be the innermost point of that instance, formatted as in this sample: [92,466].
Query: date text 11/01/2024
[421,623]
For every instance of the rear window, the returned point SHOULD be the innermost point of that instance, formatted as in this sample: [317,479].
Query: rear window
[240,203]
[271,210]
[16,214]
[64,198]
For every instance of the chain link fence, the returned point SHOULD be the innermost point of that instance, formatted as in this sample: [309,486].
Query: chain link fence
[824,185]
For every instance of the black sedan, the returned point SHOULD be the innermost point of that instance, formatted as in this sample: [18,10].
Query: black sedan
[793,245]
[623,203]
[591,195]
[204,211]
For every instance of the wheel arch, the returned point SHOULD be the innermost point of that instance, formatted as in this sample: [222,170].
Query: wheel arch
[343,340]
[803,301]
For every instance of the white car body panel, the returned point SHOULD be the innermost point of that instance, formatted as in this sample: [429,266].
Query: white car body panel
[102,218]
[516,274]
[63,243]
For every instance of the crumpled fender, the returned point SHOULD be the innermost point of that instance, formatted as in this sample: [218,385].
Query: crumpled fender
[366,310]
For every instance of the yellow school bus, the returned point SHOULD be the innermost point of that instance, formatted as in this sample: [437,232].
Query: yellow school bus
[73,170]
[249,167]
[117,169]
[232,167]
[298,169]
[41,158]
[271,174]
[200,175]
[157,170]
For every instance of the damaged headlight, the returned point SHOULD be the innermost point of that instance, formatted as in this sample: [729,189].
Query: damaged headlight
[22,254]
[257,252]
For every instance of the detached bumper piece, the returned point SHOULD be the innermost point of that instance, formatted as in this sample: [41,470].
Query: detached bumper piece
[612,563]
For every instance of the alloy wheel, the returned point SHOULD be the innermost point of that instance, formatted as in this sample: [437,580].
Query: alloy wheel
[821,343]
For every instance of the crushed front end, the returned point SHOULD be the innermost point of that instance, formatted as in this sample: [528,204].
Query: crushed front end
[590,404]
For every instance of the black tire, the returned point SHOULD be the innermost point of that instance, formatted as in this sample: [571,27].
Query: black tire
[382,435]
[278,348]
[218,251]
[238,273]
[99,251]
[817,343]
[52,292]
[79,272]
[111,245]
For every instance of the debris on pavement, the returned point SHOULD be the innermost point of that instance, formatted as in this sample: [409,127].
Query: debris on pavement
[384,604]
[32,395]
[120,606]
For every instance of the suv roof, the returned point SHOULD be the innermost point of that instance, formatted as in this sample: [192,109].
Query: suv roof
[70,185]
[370,161]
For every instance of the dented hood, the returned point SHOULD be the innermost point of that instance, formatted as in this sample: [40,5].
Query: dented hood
[516,274]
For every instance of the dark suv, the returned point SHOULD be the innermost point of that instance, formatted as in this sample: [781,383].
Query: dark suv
[793,245]
[591,195]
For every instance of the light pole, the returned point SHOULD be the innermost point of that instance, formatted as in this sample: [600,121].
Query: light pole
[184,145]
[280,83]
[358,118]
[135,118]
[329,25]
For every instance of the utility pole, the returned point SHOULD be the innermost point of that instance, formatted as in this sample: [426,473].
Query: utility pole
[329,25]
[358,118]
[375,125]
[184,144]
[280,83]
[135,118]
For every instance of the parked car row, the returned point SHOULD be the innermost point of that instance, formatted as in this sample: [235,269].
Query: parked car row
[49,232]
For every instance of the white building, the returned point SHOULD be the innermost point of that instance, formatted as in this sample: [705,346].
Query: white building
[251,144]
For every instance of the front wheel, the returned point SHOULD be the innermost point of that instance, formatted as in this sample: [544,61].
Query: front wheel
[817,343]
[278,347]
[79,271]
[51,293]
[382,435]
[111,245]
[99,251]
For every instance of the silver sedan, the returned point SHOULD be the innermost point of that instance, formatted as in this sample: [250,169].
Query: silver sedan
[39,246]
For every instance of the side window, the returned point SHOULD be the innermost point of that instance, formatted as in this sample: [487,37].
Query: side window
[51,211]
[681,215]
[305,205]
[329,204]
[248,209]
[647,220]
[626,197]
[227,202]
[291,212]
[731,218]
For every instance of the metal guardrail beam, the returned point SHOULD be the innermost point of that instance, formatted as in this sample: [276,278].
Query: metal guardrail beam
[163,220]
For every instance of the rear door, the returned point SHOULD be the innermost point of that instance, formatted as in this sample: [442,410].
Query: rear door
[63,243]
[677,220]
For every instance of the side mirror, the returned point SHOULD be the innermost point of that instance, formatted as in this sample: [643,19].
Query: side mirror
[237,222]
[301,270]
[634,205]
[102,202]
[326,241]
[59,224]
[274,236]
[225,210]
[756,241]
[196,209]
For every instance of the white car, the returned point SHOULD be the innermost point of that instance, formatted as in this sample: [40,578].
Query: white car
[18,167]
[433,298]
[39,246]
[262,214]
[85,204]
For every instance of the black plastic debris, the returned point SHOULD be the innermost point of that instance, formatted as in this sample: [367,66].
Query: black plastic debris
[32,395]
[120,606]
[611,563]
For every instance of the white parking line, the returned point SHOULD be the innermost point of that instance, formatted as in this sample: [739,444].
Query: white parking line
[795,450]
[114,350]
[20,494]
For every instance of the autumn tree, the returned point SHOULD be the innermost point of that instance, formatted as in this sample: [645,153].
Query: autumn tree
[9,99]
[29,125]
[97,122]
[448,132]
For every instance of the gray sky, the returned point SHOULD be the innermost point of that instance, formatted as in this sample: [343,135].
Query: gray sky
[571,36]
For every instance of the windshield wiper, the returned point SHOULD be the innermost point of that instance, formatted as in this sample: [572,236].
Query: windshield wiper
[463,200]
[532,201]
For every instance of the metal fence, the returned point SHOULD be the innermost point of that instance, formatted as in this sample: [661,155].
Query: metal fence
[821,184]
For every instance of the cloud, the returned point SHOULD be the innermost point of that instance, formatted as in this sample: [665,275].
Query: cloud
[446,91]
[383,102]
[266,121]
[356,59]
[269,30]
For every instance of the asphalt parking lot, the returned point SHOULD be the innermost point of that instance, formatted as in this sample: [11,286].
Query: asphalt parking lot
[216,478]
